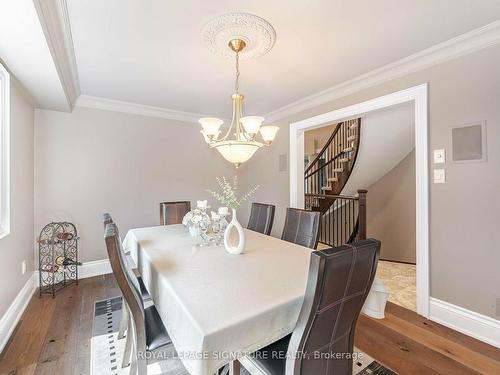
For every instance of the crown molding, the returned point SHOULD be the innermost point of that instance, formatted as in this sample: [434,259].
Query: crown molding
[54,19]
[134,108]
[464,44]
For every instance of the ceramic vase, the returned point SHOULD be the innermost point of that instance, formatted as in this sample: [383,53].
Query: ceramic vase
[234,249]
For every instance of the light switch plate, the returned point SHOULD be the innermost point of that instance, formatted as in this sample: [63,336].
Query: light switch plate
[439,156]
[439,176]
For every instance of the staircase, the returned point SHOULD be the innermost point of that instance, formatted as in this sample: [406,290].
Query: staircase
[326,176]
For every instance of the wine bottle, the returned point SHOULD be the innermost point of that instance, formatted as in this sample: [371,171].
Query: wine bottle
[52,269]
[65,261]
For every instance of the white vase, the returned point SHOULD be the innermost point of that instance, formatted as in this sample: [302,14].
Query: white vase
[377,298]
[238,249]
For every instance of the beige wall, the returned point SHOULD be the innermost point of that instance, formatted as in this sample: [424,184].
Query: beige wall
[391,212]
[91,161]
[464,212]
[315,140]
[18,245]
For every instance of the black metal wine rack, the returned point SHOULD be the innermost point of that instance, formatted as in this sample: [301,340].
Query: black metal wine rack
[57,257]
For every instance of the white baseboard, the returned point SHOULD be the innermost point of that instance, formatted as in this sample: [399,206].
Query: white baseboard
[11,317]
[473,324]
[94,268]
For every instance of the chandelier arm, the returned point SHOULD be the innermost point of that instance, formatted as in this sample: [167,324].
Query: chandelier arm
[231,126]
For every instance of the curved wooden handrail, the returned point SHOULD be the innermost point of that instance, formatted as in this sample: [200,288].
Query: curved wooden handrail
[334,133]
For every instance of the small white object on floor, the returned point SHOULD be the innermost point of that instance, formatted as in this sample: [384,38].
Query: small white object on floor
[377,298]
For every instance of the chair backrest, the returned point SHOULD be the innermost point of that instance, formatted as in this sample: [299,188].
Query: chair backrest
[173,212]
[301,227]
[106,219]
[126,280]
[339,282]
[261,218]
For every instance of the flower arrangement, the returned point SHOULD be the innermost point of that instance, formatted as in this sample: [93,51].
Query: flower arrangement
[229,193]
[196,217]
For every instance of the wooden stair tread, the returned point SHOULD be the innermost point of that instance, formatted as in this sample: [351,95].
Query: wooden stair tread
[329,171]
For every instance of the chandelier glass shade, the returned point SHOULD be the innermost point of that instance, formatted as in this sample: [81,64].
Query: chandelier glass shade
[238,144]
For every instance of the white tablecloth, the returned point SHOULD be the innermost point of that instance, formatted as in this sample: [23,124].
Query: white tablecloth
[214,304]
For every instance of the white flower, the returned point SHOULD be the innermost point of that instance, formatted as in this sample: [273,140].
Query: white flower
[201,204]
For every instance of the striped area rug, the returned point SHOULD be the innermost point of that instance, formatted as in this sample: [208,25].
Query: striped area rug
[107,350]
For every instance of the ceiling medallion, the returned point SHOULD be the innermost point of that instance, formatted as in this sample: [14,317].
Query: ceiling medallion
[258,35]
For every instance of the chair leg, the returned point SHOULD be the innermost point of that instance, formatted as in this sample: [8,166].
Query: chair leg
[133,364]
[142,362]
[140,353]
[139,365]
[234,367]
[124,322]
[127,354]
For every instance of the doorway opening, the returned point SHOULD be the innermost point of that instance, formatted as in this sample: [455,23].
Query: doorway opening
[403,146]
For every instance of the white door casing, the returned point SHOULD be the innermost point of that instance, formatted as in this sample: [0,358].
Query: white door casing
[416,94]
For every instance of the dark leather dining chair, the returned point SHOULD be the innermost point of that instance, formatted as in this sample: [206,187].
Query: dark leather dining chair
[146,325]
[173,212]
[323,340]
[261,218]
[125,318]
[301,227]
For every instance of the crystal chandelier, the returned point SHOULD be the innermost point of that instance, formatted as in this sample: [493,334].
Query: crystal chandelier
[239,149]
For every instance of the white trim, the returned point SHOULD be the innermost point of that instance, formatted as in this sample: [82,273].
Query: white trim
[138,109]
[463,44]
[54,18]
[416,94]
[11,317]
[94,268]
[471,323]
[4,152]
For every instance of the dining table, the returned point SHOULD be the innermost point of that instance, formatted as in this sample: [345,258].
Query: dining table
[216,306]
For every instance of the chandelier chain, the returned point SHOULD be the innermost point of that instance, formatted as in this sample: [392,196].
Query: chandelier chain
[237,81]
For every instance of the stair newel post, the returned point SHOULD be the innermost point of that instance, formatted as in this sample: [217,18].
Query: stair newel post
[362,214]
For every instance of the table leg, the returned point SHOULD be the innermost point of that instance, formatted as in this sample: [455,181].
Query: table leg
[234,367]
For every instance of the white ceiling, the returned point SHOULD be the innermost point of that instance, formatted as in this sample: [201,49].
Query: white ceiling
[151,52]
[24,50]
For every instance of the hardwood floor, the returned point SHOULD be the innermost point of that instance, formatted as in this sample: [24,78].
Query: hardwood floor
[53,337]
[410,344]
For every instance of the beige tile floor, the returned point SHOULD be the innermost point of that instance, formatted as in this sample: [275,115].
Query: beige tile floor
[400,281]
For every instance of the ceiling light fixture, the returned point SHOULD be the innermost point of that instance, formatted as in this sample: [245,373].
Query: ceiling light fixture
[239,143]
